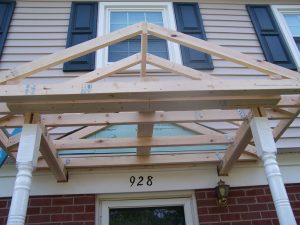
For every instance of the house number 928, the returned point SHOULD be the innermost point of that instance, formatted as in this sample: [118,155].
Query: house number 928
[141,181]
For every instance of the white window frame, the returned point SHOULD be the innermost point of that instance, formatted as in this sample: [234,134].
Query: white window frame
[103,24]
[278,11]
[186,199]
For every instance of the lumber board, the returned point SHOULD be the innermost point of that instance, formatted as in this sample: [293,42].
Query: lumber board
[146,90]
[111,143]
[284,124]
[70,53]
[178,68]
[144,130]
[98,119]
[104,72]
[165,159]
[83,133]
[55,163]
[144,50]
[173,104]
[221,52]
[234,151]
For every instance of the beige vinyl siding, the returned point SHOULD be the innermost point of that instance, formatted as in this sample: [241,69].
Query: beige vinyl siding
[37,29]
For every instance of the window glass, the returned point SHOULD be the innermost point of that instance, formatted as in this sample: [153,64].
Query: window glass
[293,22]
[171,215]
[127,48]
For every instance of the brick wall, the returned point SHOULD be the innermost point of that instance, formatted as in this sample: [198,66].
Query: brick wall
[246,206]
[56,210]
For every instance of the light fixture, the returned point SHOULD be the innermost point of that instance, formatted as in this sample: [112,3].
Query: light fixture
[222,191]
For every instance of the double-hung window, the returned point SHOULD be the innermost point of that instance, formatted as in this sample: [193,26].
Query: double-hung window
[115,16]
[288,18]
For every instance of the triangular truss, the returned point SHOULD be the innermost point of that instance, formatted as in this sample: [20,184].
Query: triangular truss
[85,102]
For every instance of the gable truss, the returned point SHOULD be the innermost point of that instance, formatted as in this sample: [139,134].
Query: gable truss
[146,103]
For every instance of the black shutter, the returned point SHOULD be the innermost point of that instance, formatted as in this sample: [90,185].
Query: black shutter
[82,27]
[270,37]
[6,12]
[189,21]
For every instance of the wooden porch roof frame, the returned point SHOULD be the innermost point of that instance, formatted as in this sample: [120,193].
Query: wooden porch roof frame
[145,103]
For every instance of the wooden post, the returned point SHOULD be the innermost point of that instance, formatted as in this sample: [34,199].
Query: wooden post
[266,150]
[26,162]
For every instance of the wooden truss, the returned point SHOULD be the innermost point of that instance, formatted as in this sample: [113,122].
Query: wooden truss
[93,105]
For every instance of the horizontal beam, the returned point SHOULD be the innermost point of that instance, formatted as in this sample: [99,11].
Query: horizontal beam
[146,90]
[165,159]
[133,104]
[142,142]
[98,119]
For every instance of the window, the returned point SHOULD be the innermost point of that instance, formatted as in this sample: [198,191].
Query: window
[114,16]
[288,18]
[174,208]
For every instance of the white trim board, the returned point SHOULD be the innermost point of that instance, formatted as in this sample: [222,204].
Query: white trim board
[105,181]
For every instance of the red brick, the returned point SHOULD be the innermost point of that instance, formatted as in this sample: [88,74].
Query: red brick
[246,200]
[258,207]
[238,208]
[295,205]
[268,214]
[33,210]
[271,206]
[293,189]
[73,223]
[63,201]
[200,195]
[217,210]
[89,223]
[84,200]
[84,216]
[230,217]
[209,218]
[210,202]
[4,212]
[251,216]
[211,194]
[38,218]
[261,222]
[51,210]
[90,208]
[255,192]
[74,209]
[236,193]
[202,210]
[266,198]
[3,203]
[241,223]
[40,202]
[298,196]
[61,217]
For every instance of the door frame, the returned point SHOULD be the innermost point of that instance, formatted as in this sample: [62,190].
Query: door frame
[134,200]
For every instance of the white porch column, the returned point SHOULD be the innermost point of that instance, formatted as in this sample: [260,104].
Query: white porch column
[266,150]
[26,162]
